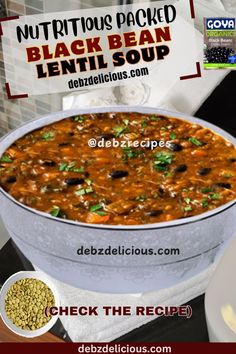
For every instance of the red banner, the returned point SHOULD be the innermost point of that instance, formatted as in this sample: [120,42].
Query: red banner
[67,348]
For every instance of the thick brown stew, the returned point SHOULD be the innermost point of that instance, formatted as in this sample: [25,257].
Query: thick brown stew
[54,170]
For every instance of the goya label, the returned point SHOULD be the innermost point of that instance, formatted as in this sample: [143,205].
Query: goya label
[220,43]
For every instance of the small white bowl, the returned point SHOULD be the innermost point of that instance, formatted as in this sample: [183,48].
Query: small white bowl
[6,286]
[220,299]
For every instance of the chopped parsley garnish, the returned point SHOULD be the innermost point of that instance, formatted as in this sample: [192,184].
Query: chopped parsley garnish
[173,136]
[188,208]
[187,200]
[78,170]
[154,118]
[48,136]
[101,213]
[79,119]
[141,198]
[228,175]
[96,207]
[126,122]
[169,174]
[206,190]
[162,160]
[214,196]
[161,168]
[88,181]
[6,159]
[84,191]
[55,211]
[205,203]
[144,123]
[195,141]
[119,130]
[80,192]
[70,167]
[130,153]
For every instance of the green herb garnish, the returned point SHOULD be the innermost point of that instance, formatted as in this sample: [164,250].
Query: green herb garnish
[195,141]
[88,181]
[214,196]
[48,136]
[131,152]
[169,174]
[141,198]
[144,123]
[173,136]
[205,203]
[55,211]
[95,208]
[154,118]
[78,169]
[206,190]
[126,122]
[101,213]
[188,208]
[70,167]
[187,200]
[79,119]
[84,191]
[228,175]
[6,159]
[119,130]
[162,160]
[80,192]
[161,168]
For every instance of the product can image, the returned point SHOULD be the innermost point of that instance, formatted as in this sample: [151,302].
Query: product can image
[219,43]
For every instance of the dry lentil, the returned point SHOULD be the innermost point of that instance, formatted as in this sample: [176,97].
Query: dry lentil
[24,300]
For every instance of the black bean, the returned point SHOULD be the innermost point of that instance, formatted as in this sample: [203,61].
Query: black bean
[161,191]
[204,171]
[175,147]
[181,168]
[154,213]
[118,174]
[232,159]
[218,54]
[223,185]
[48,163]
[64,144]
[11,179]
[62,215]
[71,133]
[106,136]
[74,181]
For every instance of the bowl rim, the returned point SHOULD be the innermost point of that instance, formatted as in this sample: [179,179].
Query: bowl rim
[7,284]
[37,123]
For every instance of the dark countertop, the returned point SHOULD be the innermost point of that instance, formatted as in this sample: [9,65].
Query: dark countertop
[218,109]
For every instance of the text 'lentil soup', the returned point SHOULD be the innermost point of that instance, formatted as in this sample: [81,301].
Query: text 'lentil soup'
[54,170]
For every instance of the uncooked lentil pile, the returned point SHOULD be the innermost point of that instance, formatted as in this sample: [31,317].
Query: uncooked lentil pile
[26,301]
